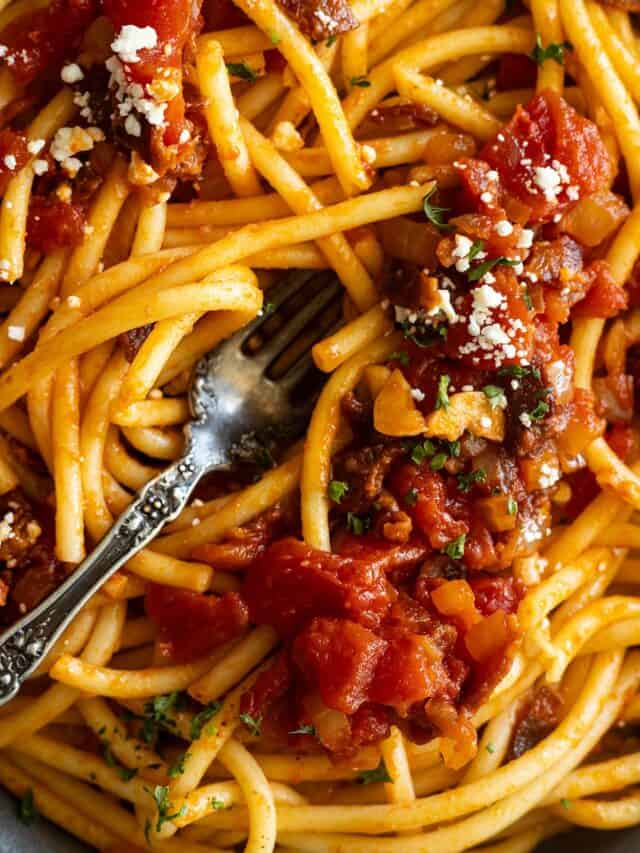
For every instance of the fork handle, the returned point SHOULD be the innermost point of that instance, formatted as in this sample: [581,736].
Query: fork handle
[25,645]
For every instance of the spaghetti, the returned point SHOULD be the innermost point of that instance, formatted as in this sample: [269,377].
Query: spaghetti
[415,631]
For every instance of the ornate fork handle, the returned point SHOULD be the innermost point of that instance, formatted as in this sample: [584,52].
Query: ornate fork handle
[25,645]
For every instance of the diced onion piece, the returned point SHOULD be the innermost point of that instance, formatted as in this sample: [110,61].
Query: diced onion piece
[495,513]
[410,241]
[595,218]
[455,598]
[488,637]
[394,410]
[467,410]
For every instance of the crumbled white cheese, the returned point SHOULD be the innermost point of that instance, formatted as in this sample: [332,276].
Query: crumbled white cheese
[35,146]
[16,333]
[525,240]
[132,125]
[40,166]
[486,197]
[417,395]
[10,162]
[549,180]
[71,73]
[525,420]
[504,228]
[131,39]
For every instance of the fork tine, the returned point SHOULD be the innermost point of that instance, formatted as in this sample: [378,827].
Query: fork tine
[296,324]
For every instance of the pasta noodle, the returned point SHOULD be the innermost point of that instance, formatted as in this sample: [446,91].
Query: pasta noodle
[414,629]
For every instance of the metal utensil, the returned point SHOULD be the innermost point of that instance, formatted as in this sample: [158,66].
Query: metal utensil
[237,406]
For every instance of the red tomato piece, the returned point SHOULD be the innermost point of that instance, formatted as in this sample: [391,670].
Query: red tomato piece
[269,686]
[40,41]
[339,657]
[410,671]
[496,593]
[190,624]
[548,134]
[52,224]
[291,582]
[605,297]
[516,71]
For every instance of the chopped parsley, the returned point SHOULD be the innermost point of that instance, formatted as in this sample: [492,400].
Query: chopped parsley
[439,461]
[527,299]
[254,724]
[337,490]
[428,449]
[435,214]
[125,773]
[465,481]
[494,394]
[486,266]
[217,804]
[361,81]
[201,719]
[475,249]
[331,41]
[512,506]
[161,796]
[177,768]
[380,774]
[358,524]
[274,38]
[411,498]
[242,71]
[442,397]
[455,548]
[554,51]
[566,804]
[539,412]
[402,357]
[490,748]
[27,811]
[304,730]
[156,714]
[422,450]
[518,372]
[424,336]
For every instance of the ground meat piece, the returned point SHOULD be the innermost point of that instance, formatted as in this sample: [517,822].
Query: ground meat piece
[320,19]
[364,471]
[537,720]
[132,340]
[399,117]
[52,224]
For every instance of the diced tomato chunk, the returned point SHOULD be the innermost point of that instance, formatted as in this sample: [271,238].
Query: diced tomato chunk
[191,625]
[605,297]
[40,41]
[270,685]
[52,224]
[340,657]
[516,71]
[292,582]
[549,135]
[496,593]
[410,671]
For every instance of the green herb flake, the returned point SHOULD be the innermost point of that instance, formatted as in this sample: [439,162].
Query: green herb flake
[242,71]
[490,748]
[475,249]
[304,730]
[566,804]
[455,548]
[218,804]
[442,396]
[331,41]
[554,51]
[177,768]
[538,413]
[411,498]
[435,214]
[147,831]
[518,372]
[439,461]
[527,299]
[27,811]
[361,81]
[465,481]
[380,774]
[161,796]
[421,451]
[512,506]
[358,524]
[486,266]
[494,394]
[402,357]
[254,724]
[200,720]
[337,490]
[274,38]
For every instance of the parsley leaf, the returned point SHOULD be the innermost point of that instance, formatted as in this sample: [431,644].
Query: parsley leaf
[512,506]
[494,394]
[274,38]
[434,214]
[358,524]
[424,336]
[361,81]
[455,548]
[475,249]
[161,796]
[566,804]
[519,372]
[439,461]
[201,719]
[380,774]
[411,498]
[442,397]
[465,481]
[242,71]
[422,450]
[156,714]
[490,748]
[177,768]
[540,411]
[331,41]
[218,804]
[304,730]
[486,266]
[337,490]
[27,811]
[254,724]
[125,773]
[553,51]
[402,357]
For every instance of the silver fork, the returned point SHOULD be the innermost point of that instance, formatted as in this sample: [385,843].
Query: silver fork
[236,408]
